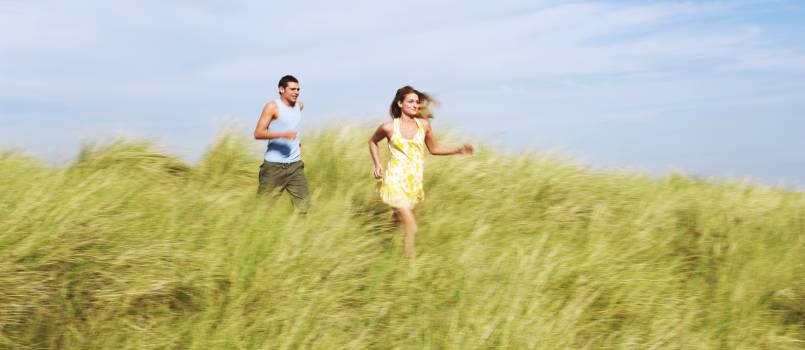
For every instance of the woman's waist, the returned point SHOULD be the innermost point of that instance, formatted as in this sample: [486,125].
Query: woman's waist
[406,161]
[410,155]
[408,168]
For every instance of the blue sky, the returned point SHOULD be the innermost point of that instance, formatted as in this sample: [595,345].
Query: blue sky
[709,88]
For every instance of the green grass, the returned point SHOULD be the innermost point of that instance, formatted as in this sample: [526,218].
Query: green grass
[130,248]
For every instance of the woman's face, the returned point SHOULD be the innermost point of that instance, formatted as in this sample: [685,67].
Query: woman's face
[410,104]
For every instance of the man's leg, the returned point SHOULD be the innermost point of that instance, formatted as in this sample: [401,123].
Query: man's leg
[271,179]
[297,188]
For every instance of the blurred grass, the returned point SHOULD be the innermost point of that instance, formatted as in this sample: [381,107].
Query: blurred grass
[130,248]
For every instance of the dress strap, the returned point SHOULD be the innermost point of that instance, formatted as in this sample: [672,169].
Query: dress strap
[419,126]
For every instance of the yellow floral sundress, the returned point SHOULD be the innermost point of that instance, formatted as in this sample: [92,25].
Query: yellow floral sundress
[402,183]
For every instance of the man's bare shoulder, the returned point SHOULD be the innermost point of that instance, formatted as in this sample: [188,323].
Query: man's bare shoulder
[270,110]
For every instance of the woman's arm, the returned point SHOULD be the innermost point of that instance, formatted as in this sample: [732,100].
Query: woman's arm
[381,133]
[437,150]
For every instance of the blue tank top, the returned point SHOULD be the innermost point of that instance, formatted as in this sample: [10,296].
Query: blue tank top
[283,150]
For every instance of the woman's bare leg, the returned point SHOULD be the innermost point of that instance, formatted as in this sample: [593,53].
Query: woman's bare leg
[406,216]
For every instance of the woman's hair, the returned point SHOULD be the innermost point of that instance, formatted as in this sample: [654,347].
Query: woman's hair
[424,101]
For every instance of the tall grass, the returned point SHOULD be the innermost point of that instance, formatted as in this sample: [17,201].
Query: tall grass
[129,248]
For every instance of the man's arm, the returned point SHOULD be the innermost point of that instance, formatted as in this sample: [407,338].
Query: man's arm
[269,113]
[301,107]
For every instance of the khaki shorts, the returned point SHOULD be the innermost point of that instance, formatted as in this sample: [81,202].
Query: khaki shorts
[276,178]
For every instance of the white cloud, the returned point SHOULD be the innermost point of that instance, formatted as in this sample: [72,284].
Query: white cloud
[159,45]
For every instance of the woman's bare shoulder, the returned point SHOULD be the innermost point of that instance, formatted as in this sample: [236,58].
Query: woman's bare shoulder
[425,123]
[386,126]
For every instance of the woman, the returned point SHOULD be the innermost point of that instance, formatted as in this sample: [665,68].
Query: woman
[408,134]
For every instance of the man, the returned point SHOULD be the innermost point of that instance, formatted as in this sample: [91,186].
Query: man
[282,168]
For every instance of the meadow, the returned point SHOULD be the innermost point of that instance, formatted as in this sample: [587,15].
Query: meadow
[129,247]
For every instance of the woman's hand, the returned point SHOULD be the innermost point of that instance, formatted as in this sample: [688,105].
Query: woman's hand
[465,149]
[378,172]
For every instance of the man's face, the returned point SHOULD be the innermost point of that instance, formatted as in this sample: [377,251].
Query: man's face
[290,92]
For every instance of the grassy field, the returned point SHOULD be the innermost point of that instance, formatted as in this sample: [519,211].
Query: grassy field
[130,248]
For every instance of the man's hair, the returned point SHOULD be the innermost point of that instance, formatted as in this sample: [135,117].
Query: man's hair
[287,79]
